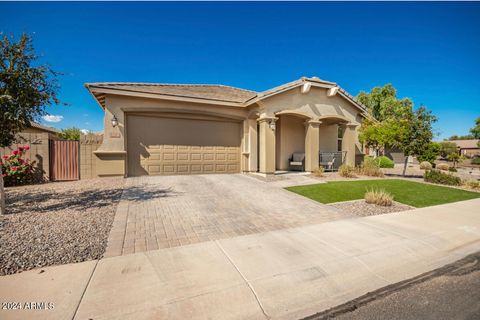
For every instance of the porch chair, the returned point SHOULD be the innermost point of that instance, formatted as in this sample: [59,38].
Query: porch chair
[327,160]
[297,161]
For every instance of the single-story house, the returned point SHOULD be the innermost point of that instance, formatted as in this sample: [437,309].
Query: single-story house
[467,148]
[157,129]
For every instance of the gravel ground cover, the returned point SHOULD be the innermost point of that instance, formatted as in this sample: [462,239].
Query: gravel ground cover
[57,223]
[363,209]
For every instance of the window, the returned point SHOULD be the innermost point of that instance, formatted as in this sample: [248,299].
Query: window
[340,138]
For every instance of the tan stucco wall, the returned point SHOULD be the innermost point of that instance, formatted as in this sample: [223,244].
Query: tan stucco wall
[115,138]
[328,137]
[290,138]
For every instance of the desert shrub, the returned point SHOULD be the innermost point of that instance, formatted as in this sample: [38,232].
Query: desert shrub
[15,169]
[384,162]
[370,168]
[379,197]
[442,166]
[319,172]
[436,176]
[425,165]
[472,184]
[476,160]
[346,171]
[430,153]
[452,169]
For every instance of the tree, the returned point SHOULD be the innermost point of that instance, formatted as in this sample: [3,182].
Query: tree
[455,137]
[475,131]
[72,133]
[454,157]
[395,122]
[430,153]
[26,88]
[446,148]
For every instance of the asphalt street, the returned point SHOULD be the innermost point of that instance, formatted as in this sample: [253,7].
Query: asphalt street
[450,292]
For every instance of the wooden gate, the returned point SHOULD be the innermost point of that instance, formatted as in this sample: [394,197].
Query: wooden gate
[64,159]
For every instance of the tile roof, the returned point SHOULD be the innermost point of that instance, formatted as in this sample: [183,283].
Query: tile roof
[466,144]
[42,127]
[198,91]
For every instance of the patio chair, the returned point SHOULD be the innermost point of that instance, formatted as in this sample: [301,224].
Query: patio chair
[297,161]
[327,160]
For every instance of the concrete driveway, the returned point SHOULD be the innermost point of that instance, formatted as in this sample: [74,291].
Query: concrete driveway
[169,211]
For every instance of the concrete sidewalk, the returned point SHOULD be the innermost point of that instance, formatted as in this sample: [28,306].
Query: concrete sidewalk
[283,274]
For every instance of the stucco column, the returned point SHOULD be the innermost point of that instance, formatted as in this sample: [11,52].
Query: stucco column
[312,145]
[267,144]
[252,139]
[348,143]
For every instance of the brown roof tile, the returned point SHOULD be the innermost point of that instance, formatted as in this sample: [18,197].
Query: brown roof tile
[198,91]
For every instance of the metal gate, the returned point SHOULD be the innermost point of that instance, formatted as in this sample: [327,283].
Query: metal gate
[64,160]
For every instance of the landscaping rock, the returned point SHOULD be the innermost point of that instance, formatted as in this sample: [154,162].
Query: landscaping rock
[363,209]
[57,223]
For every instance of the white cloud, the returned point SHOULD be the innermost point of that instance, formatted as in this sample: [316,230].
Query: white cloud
[85,131]
[52,118]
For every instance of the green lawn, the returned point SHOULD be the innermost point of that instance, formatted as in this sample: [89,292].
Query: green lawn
[415,194]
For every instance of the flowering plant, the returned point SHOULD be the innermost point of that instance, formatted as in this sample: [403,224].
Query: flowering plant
[15,169]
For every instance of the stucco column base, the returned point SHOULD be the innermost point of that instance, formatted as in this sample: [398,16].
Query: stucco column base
[267,145]
[348,143]
[312,145]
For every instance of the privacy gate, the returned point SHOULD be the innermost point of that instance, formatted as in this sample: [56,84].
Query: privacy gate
[64,160]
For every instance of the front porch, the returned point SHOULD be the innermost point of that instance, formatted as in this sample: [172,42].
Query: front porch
[327,142]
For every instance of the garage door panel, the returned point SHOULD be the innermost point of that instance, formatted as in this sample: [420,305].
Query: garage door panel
[182,146]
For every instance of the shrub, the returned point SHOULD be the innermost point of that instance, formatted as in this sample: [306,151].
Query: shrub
[370,168]
[346,171]
[476,160]
[15,169]
[379,197]
[384,162]
[425,165]
[452,169]
[472,184]
[430,153]
[442,166]
[436,176]
[319,172]
[447,147]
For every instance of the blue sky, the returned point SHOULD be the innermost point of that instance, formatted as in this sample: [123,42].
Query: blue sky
[429,51]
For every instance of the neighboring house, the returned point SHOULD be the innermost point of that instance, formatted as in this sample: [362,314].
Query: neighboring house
[467,148]
[37,137]
[153,129]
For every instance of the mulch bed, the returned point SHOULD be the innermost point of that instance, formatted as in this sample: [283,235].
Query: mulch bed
[363,209]
[57,223]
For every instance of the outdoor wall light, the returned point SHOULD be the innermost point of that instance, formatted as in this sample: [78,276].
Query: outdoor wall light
[272,125]
[114,122]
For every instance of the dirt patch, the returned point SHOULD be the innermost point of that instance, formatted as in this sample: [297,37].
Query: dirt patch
[363,209]
[57,223]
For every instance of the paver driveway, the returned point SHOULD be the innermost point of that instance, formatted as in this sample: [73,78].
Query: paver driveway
[168,211]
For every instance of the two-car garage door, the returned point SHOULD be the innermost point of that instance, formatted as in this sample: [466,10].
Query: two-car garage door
[179,145]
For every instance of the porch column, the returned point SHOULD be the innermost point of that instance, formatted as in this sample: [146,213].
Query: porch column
[312,145]
[267,144]
[348,143]
[252,145]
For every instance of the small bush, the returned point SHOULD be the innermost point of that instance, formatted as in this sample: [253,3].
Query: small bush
[436,176]
[384,162]
[476,160]
[452,169]
[15,169]
[472,184]
[425,165]
[318,172]
[370,168]
[442,166]
[346,171]
[379,197]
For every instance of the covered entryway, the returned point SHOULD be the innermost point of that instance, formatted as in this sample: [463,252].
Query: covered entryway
[181,144]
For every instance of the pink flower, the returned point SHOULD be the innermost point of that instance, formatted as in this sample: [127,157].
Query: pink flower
[4,174]
[14,168]
[15,152]
[26,147]
[21,161]
[20,149]
[5,157]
